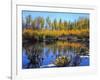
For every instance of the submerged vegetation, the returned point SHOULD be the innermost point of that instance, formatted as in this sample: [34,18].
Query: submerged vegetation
[62,61]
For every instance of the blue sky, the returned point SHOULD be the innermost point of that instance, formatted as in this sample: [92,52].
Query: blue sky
[65,16]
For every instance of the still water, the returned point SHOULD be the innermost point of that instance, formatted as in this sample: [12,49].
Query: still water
[44,54]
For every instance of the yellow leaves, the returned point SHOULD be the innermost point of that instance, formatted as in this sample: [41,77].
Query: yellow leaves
[55,33]
[27,33]
[78,32]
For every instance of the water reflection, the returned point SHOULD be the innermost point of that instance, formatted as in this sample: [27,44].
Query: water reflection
[44,54]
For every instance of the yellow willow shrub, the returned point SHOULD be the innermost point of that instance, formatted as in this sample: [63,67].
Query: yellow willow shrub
[55,33]
[27,33]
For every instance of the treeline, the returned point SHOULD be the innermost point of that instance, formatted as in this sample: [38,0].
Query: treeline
[41,23]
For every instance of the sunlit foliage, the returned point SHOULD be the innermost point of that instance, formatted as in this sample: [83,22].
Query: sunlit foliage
[40,28]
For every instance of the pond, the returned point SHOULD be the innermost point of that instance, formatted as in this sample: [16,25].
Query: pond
[46,54]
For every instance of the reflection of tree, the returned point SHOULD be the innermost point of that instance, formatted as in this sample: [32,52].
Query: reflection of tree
[37,52]
[71,50]
[34,56]
[65,46]
[76,60]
